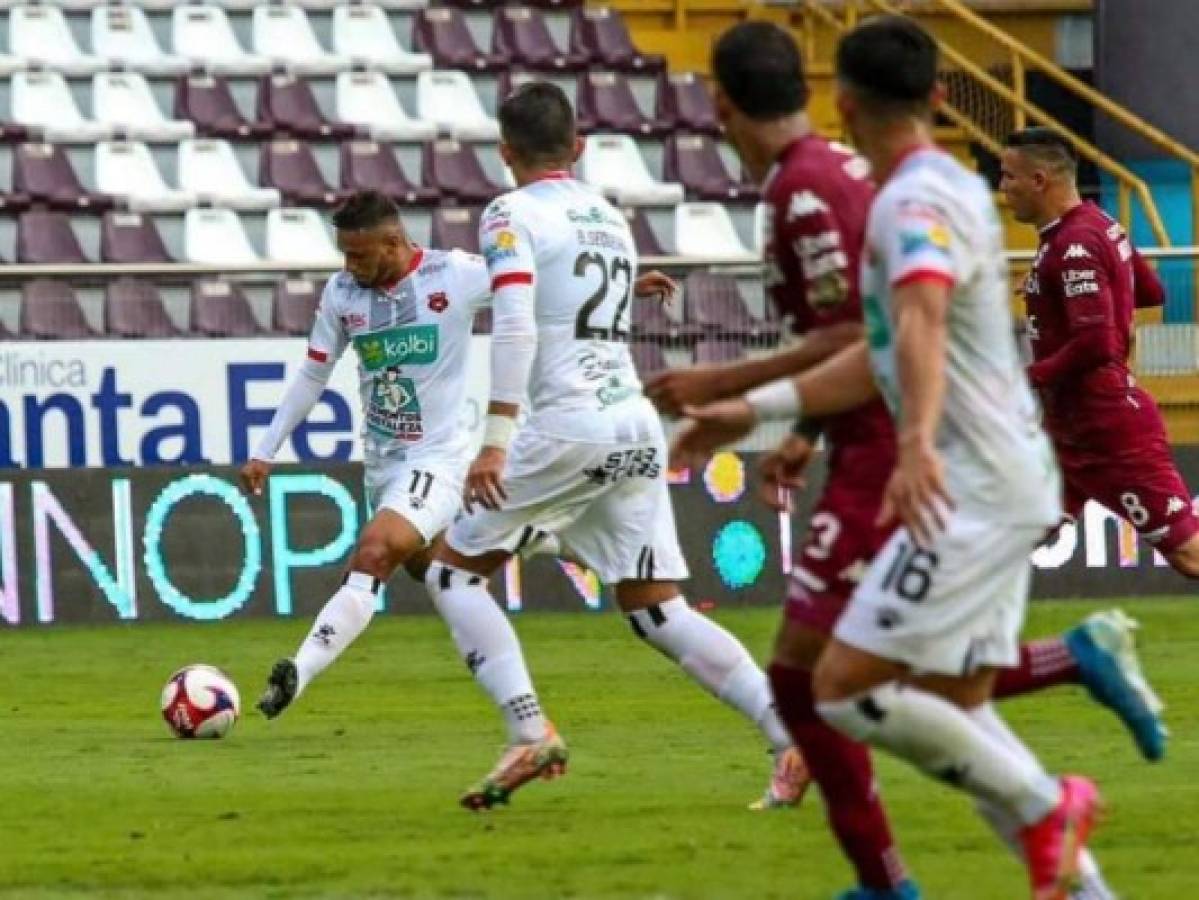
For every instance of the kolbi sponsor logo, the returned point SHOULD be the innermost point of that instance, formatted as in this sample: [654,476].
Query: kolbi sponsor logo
[408,345]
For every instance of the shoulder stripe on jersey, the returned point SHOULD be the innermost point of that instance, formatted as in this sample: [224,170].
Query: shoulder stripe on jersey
[934,275]
[317,355]
[508,278]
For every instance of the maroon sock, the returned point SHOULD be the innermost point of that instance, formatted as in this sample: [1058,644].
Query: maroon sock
[842,769]
[1042,664]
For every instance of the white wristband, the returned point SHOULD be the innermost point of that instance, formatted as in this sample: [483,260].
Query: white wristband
[776,400]
[498,431]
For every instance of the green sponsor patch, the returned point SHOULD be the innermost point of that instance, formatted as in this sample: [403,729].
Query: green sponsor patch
[409,345]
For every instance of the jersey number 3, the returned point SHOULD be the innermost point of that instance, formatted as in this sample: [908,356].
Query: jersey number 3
[609,290]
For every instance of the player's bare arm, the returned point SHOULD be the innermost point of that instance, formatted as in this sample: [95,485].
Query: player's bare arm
[656,285]
[485,479]
[783,471]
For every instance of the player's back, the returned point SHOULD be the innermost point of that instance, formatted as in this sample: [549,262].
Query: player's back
[578,252]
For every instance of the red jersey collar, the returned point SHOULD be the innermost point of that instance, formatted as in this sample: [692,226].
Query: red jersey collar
[413,265]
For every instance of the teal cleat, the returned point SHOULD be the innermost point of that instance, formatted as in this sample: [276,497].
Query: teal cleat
[906,890]
[1104,647]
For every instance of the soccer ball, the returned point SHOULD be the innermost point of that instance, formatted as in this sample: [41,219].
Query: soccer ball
[200,702]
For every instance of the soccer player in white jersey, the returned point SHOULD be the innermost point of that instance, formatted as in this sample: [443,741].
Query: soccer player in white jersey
[913,659]
[589,464]
[408,313]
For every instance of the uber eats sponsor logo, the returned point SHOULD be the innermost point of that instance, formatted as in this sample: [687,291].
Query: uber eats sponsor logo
[409,345]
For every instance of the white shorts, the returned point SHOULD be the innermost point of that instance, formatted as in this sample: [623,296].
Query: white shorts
[428,496]
[951,609]
[608,504]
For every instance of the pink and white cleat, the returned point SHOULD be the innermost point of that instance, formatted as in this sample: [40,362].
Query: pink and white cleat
[519,764]
[1052,847]
[788,783]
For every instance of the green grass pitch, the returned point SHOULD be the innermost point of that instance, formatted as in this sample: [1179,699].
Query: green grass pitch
[352,792]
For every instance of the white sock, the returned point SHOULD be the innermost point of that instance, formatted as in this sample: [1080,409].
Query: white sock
[947,743]
[488,644]
[714,658]
[342,619]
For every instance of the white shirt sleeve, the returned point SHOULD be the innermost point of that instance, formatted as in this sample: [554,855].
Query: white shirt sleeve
[473,282]
[918,242]
[512,267]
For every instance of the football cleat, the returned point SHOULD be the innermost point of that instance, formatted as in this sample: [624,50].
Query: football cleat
[788,782]
[1052,846]
[1104,647]
[905,890]
[282,685]
[519,764]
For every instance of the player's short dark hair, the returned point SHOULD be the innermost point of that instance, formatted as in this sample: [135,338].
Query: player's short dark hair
[759,67]
[538,124]
[891,63]
[1045,146]
[365,210]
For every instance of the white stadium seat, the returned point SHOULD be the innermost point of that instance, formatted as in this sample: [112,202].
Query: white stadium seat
[705,229]
[366,99]
[209,169]
[43,102]
[612,163]
[299,235]
[448,99]
[124,101]
[126,169]
[761,224]
[122,35]
[216,237]
[39,35]
[404,4]
[364,34]
[203,35]
[284,35]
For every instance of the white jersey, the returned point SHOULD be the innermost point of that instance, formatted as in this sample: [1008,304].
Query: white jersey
[412,341]
[934,218]
[577,251]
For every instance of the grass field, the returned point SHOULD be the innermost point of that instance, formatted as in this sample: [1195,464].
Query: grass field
[352,792]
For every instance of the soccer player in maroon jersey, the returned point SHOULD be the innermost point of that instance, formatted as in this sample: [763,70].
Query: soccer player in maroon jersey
[1085,282]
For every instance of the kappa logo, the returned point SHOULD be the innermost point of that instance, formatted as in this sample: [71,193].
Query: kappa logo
[439,302]
[1076,251]
[805,203]
[1175,504]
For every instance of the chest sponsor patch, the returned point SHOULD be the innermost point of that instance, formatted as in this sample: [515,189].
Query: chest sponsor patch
[407,345]
[394,409]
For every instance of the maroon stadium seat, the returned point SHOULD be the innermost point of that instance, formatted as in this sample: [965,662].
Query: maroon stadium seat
[646,241]
[44,174]
[456,227]
[47,237]
[683,100]
[521,36]
[220,309]
[715,351]
[473,4]
[207,101]
[294,306]
[129,237]
[555,4]
[50,310]
[694,161]
[599,34]
[714,302]
[453,169]
[289,166]
[651,323]
[370,165]
[286,101]
[133,308]
[442,33]
[648,358]
[606,103]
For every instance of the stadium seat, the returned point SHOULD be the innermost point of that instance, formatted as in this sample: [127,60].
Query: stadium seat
[456,227]
[599,34]
[216,237]
[648,358]
[705,229]
[365,99]
[605,102]
[520,36]
[299,235]
[293,308]
[133,309]
[123,101]
[454,170]
[42,102]
[644,239]
[207,101]
[289,166]
[694,161]
[44,174]
[220,309]
[46,238]
[761,226]
[363,33]
[651,322]
[369,165]
[121,35]
[203,35]
[131,238]
[209,169]
[444,35]
[684,101]
[51,311]
[283,34]
[127,170]
[715,304]
[448,99]
[717,351]
[40,36]
[612,163]
[288,104]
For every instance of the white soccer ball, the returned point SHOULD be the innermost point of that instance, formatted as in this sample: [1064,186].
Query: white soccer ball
[200,702]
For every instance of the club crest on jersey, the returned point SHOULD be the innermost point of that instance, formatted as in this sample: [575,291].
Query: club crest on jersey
[394,410]
[439,302]
[1076,251]
[408,345]
[353,320]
